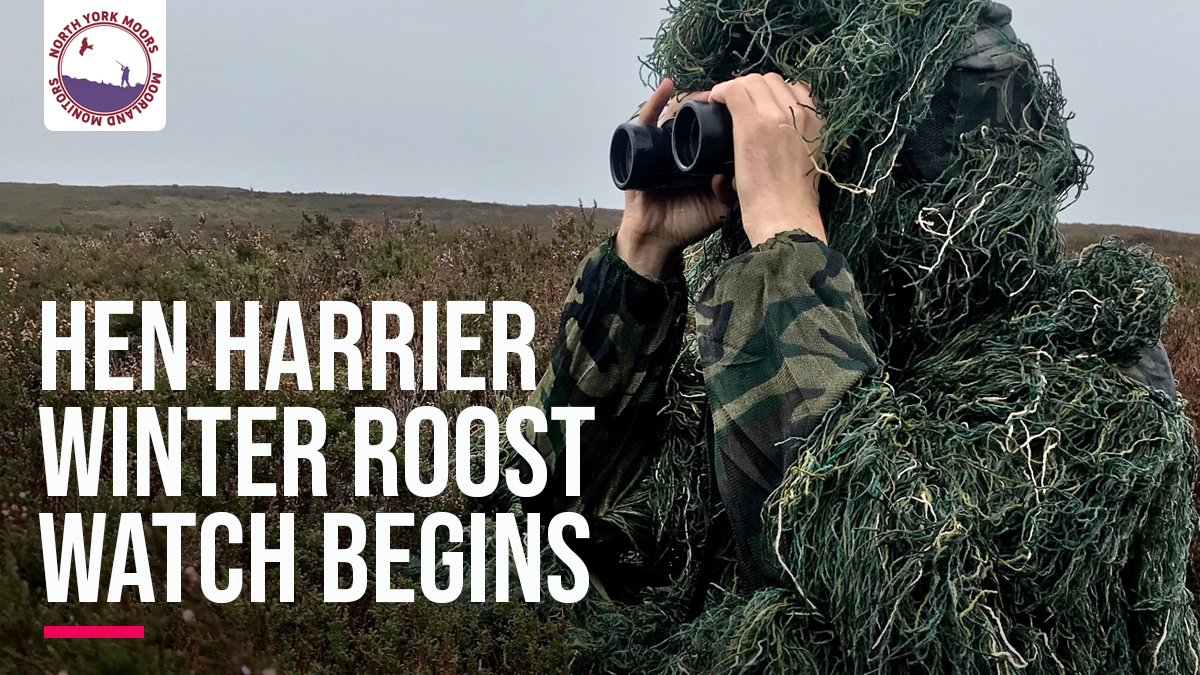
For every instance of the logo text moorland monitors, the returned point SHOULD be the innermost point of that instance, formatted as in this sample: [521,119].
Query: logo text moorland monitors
[105,66]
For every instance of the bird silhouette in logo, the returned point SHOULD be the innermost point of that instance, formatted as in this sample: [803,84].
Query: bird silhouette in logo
[85,46]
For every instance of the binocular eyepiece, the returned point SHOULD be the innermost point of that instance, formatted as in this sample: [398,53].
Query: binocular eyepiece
[686,151]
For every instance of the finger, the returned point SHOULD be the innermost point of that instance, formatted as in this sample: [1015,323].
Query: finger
[677,103]
[796,101]
[758,90]
[651,110]
[733,95]
[804,97]
[781,91]
[803,93]
[671,109]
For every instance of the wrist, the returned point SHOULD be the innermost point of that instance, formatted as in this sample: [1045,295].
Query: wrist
[763,224]
[645,253]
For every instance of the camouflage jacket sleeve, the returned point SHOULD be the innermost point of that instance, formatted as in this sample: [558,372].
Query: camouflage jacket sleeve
[782,335]
[617,338]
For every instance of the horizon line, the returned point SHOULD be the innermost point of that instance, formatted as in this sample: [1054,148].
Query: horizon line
[449,199]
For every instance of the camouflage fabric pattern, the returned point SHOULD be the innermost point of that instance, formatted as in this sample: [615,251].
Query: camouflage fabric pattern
[617,334]
[988,87]
[1154,369]
[782,334]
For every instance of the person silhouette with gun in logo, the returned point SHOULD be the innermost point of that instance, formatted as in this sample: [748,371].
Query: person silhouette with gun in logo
[124,74]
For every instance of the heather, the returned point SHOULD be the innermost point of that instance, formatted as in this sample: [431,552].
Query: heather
[307,259]
[323,259]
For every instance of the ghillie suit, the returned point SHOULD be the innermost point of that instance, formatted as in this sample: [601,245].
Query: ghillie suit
[1003,482]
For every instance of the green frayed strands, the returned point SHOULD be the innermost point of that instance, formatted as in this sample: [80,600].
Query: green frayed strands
[1005,497]
[1017,503]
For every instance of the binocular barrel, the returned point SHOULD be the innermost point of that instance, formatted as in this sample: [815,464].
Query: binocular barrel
[687,150]
[640,157]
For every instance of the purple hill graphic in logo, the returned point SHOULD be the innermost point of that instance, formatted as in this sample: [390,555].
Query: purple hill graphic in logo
[100,97]
[104,68]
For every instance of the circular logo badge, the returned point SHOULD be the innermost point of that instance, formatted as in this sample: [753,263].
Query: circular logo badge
[106,70]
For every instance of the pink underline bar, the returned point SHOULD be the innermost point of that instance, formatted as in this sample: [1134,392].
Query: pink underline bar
[94,632]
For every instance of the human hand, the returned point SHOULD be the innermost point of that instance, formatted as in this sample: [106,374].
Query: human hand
[658,224]
[775,128]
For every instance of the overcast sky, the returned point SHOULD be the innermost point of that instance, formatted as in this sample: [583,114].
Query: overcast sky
[497,100]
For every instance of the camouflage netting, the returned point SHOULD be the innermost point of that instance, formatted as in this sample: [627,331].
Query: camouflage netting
[1004,497]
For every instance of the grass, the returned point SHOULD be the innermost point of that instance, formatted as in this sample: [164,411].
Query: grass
[170,252]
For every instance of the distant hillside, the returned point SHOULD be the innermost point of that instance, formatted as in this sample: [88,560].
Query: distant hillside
[1164,242]
[27,208]
[33,208]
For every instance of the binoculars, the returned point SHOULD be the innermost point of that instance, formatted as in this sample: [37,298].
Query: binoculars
[686,151]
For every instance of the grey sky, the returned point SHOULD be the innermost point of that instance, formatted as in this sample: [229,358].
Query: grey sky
[515,101]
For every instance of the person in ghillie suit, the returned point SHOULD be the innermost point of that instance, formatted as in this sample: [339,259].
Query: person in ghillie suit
[906,435]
